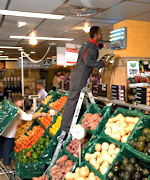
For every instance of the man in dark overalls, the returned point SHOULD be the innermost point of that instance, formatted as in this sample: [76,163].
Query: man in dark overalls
[87,60]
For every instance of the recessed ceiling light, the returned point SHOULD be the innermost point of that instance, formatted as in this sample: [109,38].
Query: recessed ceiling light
[30,14]
[33,41]
[32,52]
[41,38]
[21,24]
[86,29]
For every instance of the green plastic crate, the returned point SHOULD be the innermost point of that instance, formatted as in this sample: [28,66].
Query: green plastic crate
[125,113]
[144,123]
[94,141]
[8,112]
[60,155]
[126,152]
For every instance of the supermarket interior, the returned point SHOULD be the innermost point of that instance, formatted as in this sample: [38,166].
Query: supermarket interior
[75,90]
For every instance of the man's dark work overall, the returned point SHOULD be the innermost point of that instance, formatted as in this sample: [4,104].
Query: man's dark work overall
[87,60]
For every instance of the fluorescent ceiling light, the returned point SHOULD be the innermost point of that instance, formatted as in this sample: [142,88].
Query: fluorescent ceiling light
[30,14]
[10,47]
[86,29]
[41,38]
[3,56]
[1,51]
[21,24]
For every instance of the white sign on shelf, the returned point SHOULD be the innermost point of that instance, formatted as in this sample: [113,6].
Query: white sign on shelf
[132,68]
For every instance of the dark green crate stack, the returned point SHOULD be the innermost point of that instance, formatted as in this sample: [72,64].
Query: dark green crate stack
[8,111]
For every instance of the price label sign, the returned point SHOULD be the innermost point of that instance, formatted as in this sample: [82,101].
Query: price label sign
[132,68]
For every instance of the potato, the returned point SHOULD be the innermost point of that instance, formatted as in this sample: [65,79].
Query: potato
[108,131]
[124,139]
[98,147]
[105,146]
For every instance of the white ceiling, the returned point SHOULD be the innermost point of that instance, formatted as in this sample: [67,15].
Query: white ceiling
[108,13]
[94,3]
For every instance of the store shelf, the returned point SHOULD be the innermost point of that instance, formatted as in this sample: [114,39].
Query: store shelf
[121,103]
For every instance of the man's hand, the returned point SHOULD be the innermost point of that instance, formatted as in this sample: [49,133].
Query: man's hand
[105,45]
[106,63]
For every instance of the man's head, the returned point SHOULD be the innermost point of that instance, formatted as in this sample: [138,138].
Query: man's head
[39,86]
[96,33]
[26,90]
[18,100]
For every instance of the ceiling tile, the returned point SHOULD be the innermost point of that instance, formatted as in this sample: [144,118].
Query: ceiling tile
[3,4]
[94,3]
[42,6]
[9,27]
[143,1]
[103,21]
[7,43]
[124,10]
[143,17]
[53,27]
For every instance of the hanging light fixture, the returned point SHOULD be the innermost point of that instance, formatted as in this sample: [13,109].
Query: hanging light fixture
[33,40]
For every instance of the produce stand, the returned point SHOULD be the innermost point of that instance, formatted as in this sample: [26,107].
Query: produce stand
[29,170]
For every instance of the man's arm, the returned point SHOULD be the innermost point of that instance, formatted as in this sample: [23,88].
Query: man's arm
[91,59]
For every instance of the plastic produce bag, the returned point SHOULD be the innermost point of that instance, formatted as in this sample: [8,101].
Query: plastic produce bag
[28,171]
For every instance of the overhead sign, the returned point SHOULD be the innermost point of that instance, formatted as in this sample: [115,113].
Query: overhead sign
[71,54]
[132,68]
[30,65]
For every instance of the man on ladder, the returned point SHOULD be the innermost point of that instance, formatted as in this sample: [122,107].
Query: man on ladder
[87,60]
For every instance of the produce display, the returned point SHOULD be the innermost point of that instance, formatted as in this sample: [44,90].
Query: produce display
[90,121]
[46,100]
[46,121]
[128,169]
[119,127]
[59,104]
[61,168]
[27,141]
[33,153]
[39,111]
[143,142]
[22,129]
[103,156]
[55,127]
[73,146]
[82,173]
